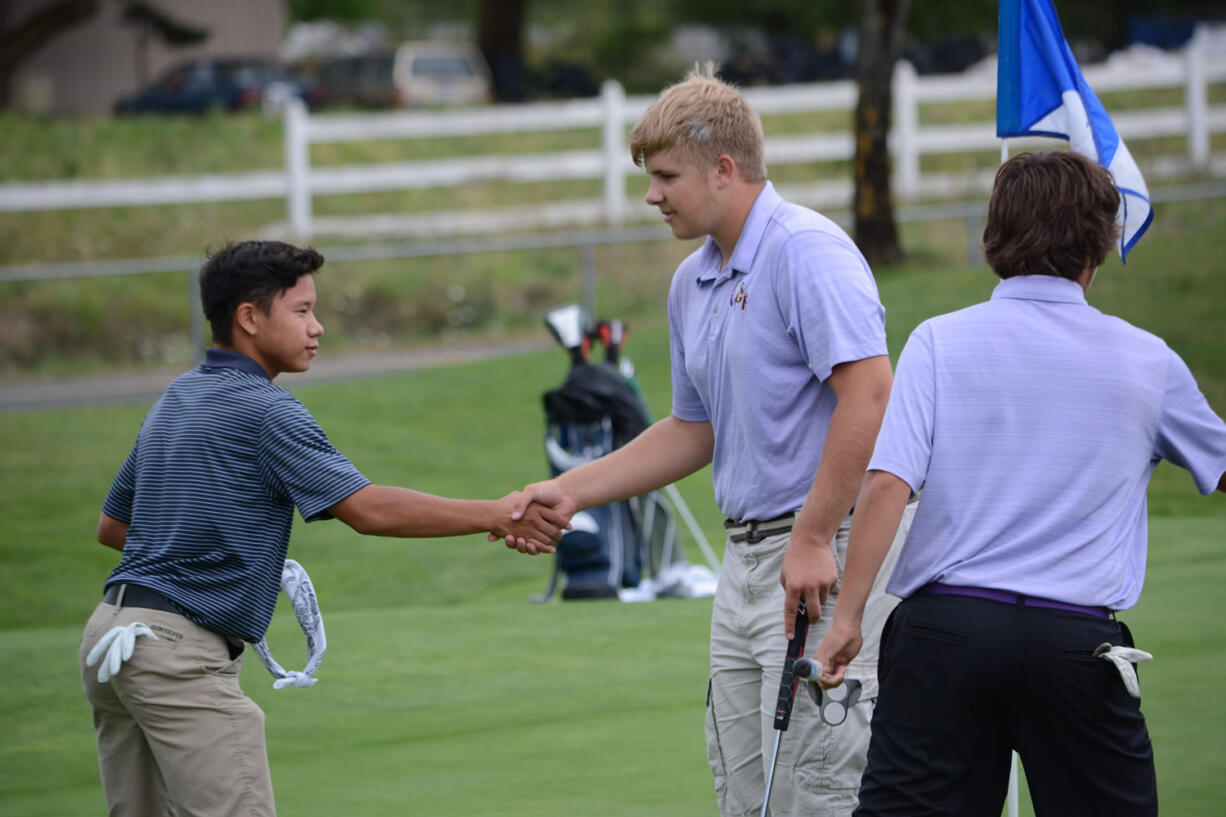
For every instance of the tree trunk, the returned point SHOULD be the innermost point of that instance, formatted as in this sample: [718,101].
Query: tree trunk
[881,25]
[25,38]
[500,26]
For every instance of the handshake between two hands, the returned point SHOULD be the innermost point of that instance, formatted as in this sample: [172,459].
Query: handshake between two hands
[534,519]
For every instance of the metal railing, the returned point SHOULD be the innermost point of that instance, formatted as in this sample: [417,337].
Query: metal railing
[586,241]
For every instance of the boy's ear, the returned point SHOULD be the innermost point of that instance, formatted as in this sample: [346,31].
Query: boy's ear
[725,170]
[245,319]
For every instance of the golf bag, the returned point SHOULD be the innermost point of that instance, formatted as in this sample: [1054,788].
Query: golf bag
[611,548]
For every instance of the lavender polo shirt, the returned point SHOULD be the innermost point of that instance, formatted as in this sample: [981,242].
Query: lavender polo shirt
[1032,423]
[752,342]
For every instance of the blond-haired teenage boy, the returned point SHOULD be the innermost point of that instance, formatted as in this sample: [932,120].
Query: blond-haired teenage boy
[780,378]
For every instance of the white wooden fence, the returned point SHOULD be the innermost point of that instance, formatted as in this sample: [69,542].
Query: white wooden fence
[610,114]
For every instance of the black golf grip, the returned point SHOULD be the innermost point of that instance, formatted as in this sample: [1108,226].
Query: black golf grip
[787,681]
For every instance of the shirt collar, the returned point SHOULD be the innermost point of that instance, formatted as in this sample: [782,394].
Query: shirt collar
[233,360]
[1040,288]
[747,243]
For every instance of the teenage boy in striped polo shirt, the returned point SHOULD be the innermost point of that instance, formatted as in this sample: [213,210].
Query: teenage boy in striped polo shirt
[1031,423]
[202,510]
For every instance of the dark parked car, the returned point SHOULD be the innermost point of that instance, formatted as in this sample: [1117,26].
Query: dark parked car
[231,84]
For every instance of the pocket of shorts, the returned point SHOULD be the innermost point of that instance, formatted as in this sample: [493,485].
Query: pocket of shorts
[715,754]
[219,658]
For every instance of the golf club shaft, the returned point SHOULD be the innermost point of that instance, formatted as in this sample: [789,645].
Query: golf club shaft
[787,693]
[770,776]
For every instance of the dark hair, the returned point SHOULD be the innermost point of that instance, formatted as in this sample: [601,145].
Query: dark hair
[1051,213]
[250,272]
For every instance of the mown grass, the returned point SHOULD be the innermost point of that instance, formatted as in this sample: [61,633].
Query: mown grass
[493,706]
[444,691]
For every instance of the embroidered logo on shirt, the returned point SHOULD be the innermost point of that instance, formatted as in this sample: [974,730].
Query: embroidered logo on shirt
[740,298]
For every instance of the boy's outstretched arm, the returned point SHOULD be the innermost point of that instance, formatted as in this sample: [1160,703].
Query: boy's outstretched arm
[380,510]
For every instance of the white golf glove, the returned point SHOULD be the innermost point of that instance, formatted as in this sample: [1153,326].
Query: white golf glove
[297,586]
[118,644]
[1124,658]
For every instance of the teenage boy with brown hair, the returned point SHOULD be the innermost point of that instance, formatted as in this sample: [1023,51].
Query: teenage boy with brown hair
[1031,423]
[201,511]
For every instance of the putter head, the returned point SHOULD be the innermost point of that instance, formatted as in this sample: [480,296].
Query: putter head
[834,702]
[568,325]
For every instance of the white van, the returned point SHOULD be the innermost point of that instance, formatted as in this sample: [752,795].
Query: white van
[425,73]
[431,73]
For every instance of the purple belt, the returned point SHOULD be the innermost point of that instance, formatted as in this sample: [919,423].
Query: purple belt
[1006,597]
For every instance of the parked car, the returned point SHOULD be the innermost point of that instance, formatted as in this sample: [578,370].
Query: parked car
[200,85]
[424,73]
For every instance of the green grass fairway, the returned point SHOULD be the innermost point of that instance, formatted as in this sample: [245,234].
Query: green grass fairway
[501,707]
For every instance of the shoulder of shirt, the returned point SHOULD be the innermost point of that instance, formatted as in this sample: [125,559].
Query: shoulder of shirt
[254,389]
[1112,324]
[797,220]
[1122,326]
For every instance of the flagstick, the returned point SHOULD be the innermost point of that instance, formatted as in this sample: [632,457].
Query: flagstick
[1011,803]
[1011,798]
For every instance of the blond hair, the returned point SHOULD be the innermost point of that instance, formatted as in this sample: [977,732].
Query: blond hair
[703,117]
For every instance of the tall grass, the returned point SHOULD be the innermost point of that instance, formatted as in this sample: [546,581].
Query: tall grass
[107,323]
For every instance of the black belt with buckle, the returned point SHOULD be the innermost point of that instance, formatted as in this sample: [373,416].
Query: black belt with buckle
[136,596]
[752,531]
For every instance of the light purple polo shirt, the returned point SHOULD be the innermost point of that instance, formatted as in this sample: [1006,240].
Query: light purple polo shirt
[1032,422]
[753,341]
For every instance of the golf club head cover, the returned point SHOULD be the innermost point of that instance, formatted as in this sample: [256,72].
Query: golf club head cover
[297,586]
[789,678]
[568,324]
[118,645]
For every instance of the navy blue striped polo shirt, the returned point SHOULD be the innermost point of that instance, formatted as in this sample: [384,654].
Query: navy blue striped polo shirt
[209,492]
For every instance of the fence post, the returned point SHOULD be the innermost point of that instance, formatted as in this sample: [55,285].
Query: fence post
[613,103]
[1196,103]
[904,131]
[297,168]
[588,252]
[974,238]
[195,314]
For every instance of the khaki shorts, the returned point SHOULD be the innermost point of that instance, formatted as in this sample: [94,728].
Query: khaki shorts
[176,734]
[819,766]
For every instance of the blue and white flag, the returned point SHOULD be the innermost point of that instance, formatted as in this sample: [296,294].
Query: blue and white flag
[1040,92]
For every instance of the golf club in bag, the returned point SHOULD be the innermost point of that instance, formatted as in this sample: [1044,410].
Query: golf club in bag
[625,549]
